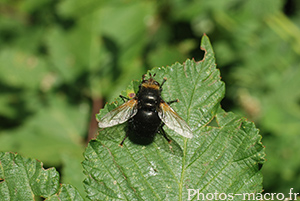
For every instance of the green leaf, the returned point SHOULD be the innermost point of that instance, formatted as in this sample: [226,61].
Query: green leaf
[67,192]
[24,179]
[224,158]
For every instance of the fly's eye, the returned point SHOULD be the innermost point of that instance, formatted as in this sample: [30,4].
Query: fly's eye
[156,83]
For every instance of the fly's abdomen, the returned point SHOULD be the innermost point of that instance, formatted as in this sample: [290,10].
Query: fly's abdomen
[146,123]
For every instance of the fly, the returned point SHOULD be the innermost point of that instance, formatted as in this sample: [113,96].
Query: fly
[147,112]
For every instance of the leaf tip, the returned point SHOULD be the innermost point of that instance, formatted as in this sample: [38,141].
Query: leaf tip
[206,44]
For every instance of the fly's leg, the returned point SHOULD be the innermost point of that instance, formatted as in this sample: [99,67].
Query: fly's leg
[173,101]
[124,98]
[121,144]
[162,131]
[127,130]
[165,79]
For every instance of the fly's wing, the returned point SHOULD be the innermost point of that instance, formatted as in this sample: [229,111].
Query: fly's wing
[119,115]
[174,121]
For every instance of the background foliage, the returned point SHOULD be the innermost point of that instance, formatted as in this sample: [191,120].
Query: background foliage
[61,60]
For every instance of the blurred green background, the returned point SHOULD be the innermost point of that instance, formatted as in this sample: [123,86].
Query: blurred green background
[61,60]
